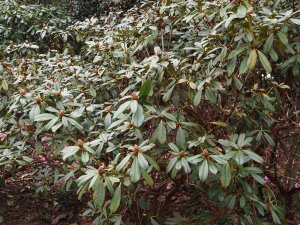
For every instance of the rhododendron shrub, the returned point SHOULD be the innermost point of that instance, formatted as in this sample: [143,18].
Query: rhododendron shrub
[194,99]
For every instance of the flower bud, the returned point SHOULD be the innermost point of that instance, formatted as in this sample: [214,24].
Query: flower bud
[80,143]
[250,11]
[22,92]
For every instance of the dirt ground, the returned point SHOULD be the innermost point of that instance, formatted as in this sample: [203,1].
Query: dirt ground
[19,205]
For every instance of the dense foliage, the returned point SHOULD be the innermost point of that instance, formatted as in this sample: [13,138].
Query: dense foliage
[196,99]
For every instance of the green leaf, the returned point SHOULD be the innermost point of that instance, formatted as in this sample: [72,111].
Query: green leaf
[210,95]
[134,105]
[75,123]
[142,161]
[252,59]
[123,163]
[269,139]
[152,162]
[121,109]
[295,21]
[231,66]
[185,166]
[154,222]
[99,195]
[226,175]
[173,147]
[265,62]
[115,202]
[167,95]
[268,44]
[135,171]
[161,132]
[64,121]
[283,38]
[145,89]
[171,164]
[44,117]
[258,178]
[138,117]
[4,85]
[242,11]
[243,66]
[69,151]
[34,112]
[275,217]
[180,138]
[38,147]
[203,170]
[254,156]
[147,178]
[51,123]
[197,98]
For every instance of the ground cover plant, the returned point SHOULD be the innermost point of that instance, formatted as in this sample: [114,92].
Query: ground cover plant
[172,112]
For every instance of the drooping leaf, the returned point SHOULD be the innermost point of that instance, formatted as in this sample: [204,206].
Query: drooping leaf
[226,175]
[115,202]
[145,89]
[147,178]
[161,132]
[265,62]
[69,151]
[135,171]
[99,195]
[138,117]
[252,59]
[203,170]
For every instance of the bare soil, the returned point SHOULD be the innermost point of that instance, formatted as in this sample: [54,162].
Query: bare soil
[19,205]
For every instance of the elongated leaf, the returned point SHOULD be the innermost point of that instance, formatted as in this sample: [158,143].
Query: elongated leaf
[153,221]
[265,62]
[145,89]
[64,121]
[180,138]
[197,98]
[69,151]
[138,117]
[44,117]
[115,202]
[75,123]
[51,123]
[56,127]
[133,106]
[203,170]
[123,163]
[254,156]
[210,95]
[34,112]
[152,162]
[99,195]
[142,161]
[135,171]
[161,132]
[186,166]
[121,109]
[171,164]
[222,124]
[252,59]
[269,139]
[167,95]
[226,175]
[268,44]
[283,38]
[147,178]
